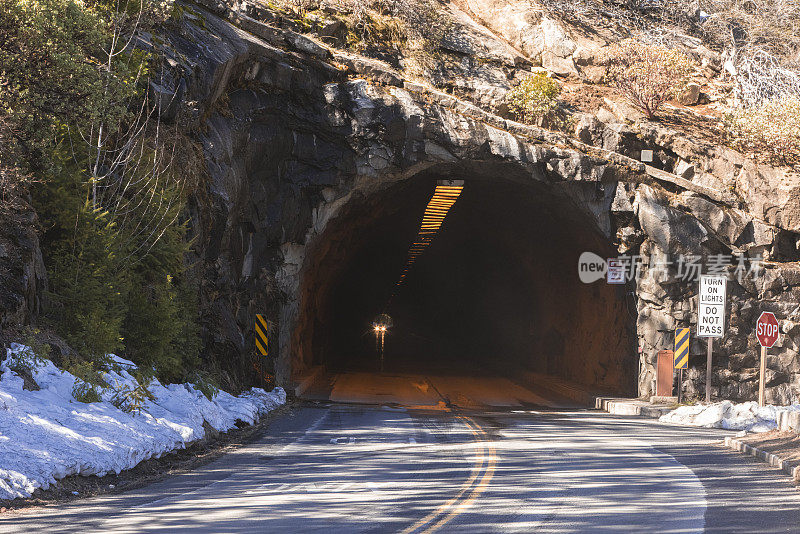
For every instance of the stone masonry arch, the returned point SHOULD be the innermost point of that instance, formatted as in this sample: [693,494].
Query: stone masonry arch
[541,223]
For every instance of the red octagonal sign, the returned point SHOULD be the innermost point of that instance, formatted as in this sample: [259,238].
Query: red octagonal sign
[767,329]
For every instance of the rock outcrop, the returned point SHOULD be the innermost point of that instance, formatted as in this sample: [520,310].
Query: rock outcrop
[22,273]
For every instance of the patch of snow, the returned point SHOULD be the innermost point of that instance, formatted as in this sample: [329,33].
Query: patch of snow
[745,416]
[46,435]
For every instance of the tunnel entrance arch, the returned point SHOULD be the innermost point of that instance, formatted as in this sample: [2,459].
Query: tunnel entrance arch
[496,293]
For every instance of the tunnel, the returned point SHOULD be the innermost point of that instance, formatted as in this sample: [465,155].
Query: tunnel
[495,294]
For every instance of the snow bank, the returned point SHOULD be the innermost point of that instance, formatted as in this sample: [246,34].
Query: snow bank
[46,435]
[729,415]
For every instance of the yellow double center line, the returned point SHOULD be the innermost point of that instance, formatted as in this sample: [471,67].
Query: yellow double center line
[481,475]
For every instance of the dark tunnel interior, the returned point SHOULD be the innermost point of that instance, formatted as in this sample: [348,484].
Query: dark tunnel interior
[496,293]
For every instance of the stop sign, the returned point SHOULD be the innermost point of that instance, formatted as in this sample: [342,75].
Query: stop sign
[767,329]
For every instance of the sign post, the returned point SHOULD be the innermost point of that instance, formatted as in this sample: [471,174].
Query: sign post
[711,317]
[767,334]
[681,356]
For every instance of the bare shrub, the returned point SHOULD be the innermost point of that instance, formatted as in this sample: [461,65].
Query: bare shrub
[648,74]
[302,7]
[759,39]
[771,129]
[644,19]
[392,22]
[762,76]
[373,29]
[746,25]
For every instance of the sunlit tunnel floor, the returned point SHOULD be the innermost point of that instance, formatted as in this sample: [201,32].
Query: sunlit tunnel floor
[429,390]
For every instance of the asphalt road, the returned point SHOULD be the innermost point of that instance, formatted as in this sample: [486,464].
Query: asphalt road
[349,468]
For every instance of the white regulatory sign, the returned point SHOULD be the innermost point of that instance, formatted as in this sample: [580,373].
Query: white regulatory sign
[711,306]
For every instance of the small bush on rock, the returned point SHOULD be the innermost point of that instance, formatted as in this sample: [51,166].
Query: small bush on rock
[534,99]
[649,75]
[770,129]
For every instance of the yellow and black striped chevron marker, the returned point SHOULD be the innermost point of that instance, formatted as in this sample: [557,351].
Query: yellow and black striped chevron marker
[262,344]
[681,348]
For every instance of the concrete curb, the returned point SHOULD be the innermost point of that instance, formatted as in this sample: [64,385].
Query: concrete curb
[764,456]
[617,406]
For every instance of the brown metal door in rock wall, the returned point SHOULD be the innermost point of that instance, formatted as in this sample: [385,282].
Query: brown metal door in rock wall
[664,373]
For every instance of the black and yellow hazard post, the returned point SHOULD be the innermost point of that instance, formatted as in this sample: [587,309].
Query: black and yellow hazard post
[262,347]
[262,341]
[681,355]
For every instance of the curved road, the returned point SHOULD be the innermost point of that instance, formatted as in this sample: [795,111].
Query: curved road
[348,468]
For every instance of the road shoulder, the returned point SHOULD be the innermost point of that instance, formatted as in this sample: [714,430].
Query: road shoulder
[775,448]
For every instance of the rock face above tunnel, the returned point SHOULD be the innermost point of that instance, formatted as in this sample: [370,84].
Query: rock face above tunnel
[294,139]
[293,132]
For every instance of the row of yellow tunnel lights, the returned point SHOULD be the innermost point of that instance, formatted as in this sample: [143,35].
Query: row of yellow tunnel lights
[444,197]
